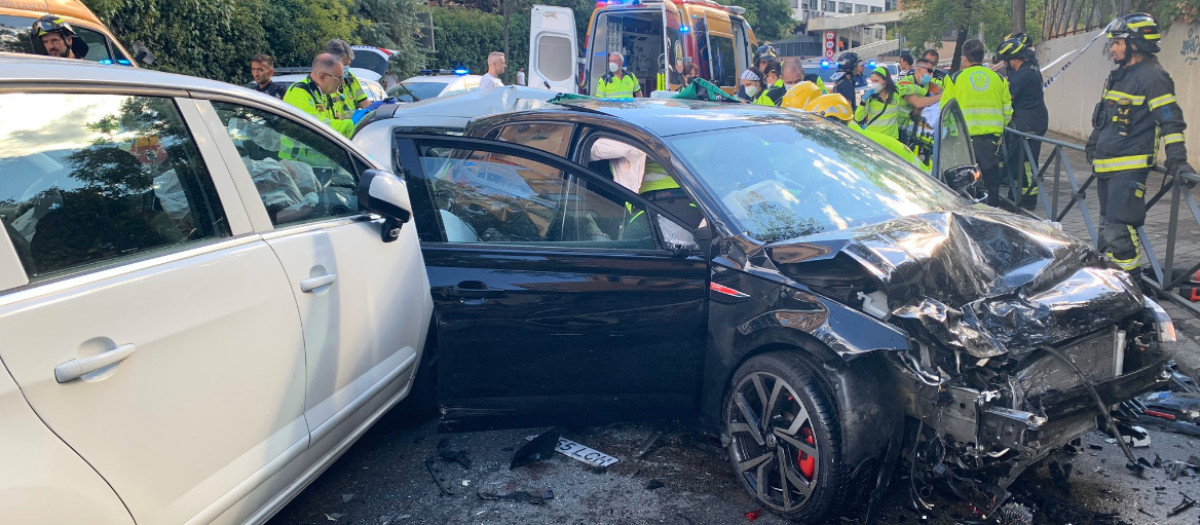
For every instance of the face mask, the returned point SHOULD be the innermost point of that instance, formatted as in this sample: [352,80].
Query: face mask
[926,79]
[751,91]
[874,87]
[613,67]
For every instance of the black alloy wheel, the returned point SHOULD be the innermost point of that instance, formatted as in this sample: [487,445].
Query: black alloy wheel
[782,438]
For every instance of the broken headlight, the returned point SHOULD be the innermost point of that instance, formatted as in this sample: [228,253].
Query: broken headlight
[1162,321]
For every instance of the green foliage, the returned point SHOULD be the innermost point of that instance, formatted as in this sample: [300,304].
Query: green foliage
[770,19]
[1166,12]
[465,36]
[216,38]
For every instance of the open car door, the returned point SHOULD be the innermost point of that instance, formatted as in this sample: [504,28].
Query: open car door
[552,48]
[953,156]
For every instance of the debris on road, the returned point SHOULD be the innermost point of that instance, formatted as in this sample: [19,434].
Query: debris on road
[753,515]
[429,468]
[347,497]
[1182,507]
[655,484]
[647,445]
[333,516]
[582,453]
[1061,475]
[450,455]
[520,496]
[1015,514]
[537,449]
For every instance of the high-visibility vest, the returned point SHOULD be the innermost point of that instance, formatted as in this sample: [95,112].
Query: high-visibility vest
[347,99]
[655,178]
[881,117]
[983,98]
[609,86]
[306,96]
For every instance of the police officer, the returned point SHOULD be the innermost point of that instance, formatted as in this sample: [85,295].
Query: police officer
[880,110]
[1029,113]
[849,68]
[314,94]
[1138,107]
[617,83]
[986,106]
[58,38]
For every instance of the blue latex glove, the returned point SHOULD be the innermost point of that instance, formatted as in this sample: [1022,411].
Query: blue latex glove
[358,115]
[375,105]
[867,94]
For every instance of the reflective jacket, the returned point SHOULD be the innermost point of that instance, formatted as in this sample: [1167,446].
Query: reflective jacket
[880,116]
[983,98]
[1147,94]
[308,97]
[609,86]
[907,86]
[347,99]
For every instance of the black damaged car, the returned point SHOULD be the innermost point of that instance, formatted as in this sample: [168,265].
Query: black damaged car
[831,309]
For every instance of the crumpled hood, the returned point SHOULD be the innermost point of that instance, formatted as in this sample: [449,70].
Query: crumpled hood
[978,280]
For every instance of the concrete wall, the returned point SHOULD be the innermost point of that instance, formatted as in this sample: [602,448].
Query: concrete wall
[1073,95]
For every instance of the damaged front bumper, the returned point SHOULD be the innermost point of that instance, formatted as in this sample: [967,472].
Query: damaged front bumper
[995,422]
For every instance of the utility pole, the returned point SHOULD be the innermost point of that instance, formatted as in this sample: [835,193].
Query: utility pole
[1018,16]
[504,7]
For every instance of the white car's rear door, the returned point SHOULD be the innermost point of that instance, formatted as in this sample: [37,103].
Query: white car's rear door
[157,335]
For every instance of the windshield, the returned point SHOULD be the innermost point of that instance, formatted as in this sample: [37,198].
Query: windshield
[804,177]
[425,90]
[14,38]
[371,61]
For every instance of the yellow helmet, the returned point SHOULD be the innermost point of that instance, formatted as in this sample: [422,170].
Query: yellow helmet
[832,105]
[800,95]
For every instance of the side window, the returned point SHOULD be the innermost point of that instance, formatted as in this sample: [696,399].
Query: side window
[97,46]
[300,175]
[552,138]
[502,199]
[86,180]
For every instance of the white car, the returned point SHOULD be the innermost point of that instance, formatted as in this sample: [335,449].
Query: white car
[200,306]
[369,80]
[433,84]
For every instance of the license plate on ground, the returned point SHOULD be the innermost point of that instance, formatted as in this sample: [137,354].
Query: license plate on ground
[587,455]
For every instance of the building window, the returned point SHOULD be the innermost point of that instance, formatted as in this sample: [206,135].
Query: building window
[845,7]
[876,9]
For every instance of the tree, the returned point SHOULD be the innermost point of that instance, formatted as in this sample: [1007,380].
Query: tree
[393,24]
[770,19]
[925,21]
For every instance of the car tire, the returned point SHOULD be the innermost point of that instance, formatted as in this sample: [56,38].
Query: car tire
[791,459]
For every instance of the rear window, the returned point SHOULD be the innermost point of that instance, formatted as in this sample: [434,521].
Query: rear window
[370,61]
[15,38]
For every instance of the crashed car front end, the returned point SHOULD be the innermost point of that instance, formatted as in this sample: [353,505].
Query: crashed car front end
[1015,329]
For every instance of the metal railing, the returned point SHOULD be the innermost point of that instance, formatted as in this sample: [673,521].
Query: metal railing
[1056,170]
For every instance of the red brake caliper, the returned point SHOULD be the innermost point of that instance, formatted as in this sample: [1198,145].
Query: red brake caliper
[807,463]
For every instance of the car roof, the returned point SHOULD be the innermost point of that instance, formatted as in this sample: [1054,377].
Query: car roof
[68,8]
[444,79]
[667,117]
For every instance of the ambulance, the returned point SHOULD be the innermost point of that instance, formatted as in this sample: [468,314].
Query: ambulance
[657,39]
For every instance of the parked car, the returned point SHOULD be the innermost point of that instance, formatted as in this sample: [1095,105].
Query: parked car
[94,43]
[802,289]
[200,306]
[432,84]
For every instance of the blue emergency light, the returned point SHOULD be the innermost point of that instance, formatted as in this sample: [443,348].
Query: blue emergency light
[871,65]
[460,71]
[685,29]
[825,63]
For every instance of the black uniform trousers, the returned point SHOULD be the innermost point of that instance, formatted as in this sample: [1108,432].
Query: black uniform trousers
[1122,209]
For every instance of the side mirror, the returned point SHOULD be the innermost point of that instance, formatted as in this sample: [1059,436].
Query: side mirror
[962,179]
[678,239]
[383,193]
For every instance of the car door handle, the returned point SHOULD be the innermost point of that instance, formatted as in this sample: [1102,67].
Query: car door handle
[474,290]
[76,368]
[312,283]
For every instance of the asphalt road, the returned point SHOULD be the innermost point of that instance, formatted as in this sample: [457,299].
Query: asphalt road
[384,480]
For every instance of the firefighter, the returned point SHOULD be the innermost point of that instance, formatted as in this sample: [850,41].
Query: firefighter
[880,110]
[986,106]
[1029,114]
[1136,111]
[849,68]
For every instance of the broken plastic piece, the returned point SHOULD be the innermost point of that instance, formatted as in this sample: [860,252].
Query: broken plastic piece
[519,496]
[753,515]
[455,456]
[655,484]
[539,448]
[1182,507]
